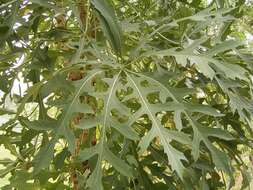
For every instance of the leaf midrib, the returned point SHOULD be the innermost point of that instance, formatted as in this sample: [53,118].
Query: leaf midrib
[74,100]
[152,117]
[175,99]
[100,154]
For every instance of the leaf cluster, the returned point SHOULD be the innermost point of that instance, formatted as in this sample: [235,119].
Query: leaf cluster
[128,95]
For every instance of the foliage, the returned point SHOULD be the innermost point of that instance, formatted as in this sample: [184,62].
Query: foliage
[108,94]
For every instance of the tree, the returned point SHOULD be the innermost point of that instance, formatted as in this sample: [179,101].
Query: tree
[139,94]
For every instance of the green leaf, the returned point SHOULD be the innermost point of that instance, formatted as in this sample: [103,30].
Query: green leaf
[224,46]
[175,157]
[60,158]
[102,150]
[204,62]
[237,102]
[124,129]
[87,123]
[117,163]
[88,153]
[110,24]
[44,157]
[74,106]
[220,158]
[200,133]
[174,106]
[39,125]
